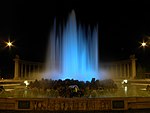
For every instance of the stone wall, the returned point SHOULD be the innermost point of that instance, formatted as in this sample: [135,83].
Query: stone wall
[74,104]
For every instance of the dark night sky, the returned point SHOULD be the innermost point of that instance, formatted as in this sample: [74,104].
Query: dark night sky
[122,25]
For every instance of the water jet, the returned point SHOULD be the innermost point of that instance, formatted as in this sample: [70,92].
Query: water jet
[72,51]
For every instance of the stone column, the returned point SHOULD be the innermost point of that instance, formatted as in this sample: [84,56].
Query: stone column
[124,71]
[38,69]
[16,71]
[111,71]
[128,71]
[29,73]
[120,76]
[21,71]
[133,66]
[25,71]
[116,73]
[34,70]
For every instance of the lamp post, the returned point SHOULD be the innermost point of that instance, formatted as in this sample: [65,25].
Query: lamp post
[7,59]
[145,56]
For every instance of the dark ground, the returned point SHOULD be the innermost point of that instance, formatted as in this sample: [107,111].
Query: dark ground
[113,111]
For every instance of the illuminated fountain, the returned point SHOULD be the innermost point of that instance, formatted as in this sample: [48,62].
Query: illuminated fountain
[72,51]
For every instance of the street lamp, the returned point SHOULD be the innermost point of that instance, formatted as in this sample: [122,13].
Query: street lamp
[9,44]
[143,44]
[143,58]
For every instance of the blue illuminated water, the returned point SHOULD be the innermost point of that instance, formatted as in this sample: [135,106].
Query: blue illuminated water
[72,51]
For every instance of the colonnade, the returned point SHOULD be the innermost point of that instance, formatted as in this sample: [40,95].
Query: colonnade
[25,69]
[120,69]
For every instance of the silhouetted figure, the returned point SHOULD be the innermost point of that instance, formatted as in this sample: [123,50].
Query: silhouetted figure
[148,88]
[1,89]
